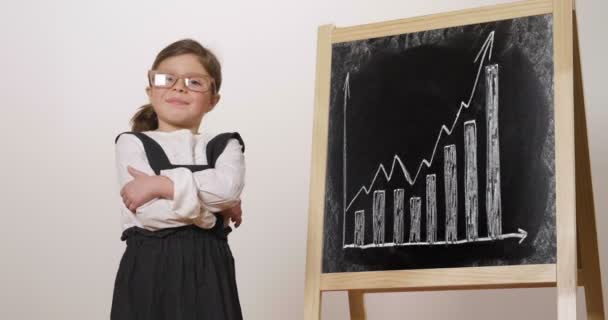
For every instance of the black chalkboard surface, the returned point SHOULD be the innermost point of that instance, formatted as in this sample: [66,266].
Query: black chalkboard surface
[441,149]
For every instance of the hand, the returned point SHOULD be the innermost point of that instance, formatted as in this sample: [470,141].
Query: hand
[235,214]
[140,190]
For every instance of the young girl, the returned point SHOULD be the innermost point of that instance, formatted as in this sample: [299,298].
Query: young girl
[180,190]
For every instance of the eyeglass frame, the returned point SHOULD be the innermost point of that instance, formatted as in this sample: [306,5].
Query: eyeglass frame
[182,76]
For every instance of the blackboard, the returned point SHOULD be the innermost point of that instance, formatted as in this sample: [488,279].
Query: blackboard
[441,150]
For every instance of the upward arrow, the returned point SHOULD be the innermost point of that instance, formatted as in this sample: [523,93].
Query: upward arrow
[485,50]
[346,87]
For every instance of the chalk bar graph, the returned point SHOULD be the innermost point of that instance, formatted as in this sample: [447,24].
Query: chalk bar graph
[413,211]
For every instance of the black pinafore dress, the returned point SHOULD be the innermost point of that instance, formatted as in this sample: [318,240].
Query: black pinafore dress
[181,273]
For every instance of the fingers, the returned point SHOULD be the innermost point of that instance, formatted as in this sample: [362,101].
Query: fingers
[237,215]
[127,203]
[131,171]
[125,197]
[133,207]
[130,203]
[237,221]
[232,212]
[134,172]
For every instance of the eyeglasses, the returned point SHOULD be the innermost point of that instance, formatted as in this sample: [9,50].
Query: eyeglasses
[193,81]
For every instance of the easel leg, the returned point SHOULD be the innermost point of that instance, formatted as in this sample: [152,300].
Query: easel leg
[565,189]
[585,208]
[314,254]
[356,305]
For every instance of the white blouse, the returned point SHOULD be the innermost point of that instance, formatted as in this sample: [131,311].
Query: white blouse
[196,194]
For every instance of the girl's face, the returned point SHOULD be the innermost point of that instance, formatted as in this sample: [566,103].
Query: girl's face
[179,107]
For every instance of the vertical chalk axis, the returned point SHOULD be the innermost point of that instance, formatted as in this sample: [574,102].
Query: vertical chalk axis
[346,96]
[470,179]
[431,208]
[493,200]
[360,227]
[378,216]
[398,222]
[415,219]
[451,193]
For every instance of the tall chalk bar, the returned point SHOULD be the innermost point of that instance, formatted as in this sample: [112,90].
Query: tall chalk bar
[359,227]
[398,214]
[378,215]
[471,193]
[451,193]
[431,208]
[415,219]
[493,198]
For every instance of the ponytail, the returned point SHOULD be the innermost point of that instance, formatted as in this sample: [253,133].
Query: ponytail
[145,119]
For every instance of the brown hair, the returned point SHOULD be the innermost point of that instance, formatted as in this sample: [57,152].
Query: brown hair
[145,118]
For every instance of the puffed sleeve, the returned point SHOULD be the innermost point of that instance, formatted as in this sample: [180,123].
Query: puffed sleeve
[218,188]
[159,211]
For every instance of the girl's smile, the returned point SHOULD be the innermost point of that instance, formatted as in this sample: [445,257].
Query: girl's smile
[177,102]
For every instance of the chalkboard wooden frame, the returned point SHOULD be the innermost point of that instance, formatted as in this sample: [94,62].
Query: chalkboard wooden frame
[569,187]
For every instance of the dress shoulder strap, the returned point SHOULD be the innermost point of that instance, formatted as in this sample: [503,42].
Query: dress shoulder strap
[157,158]
[217,144]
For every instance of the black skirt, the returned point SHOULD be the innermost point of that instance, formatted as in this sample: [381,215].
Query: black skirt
[182,273]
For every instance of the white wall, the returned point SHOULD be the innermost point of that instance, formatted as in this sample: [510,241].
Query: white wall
[73,73]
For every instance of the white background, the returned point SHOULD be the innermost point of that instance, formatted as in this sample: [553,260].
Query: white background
[73,73]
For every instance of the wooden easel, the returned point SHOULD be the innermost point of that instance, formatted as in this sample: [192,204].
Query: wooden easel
[589,274]
[577,252]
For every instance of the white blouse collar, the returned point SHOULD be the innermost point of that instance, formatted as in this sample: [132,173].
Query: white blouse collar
[174,132]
